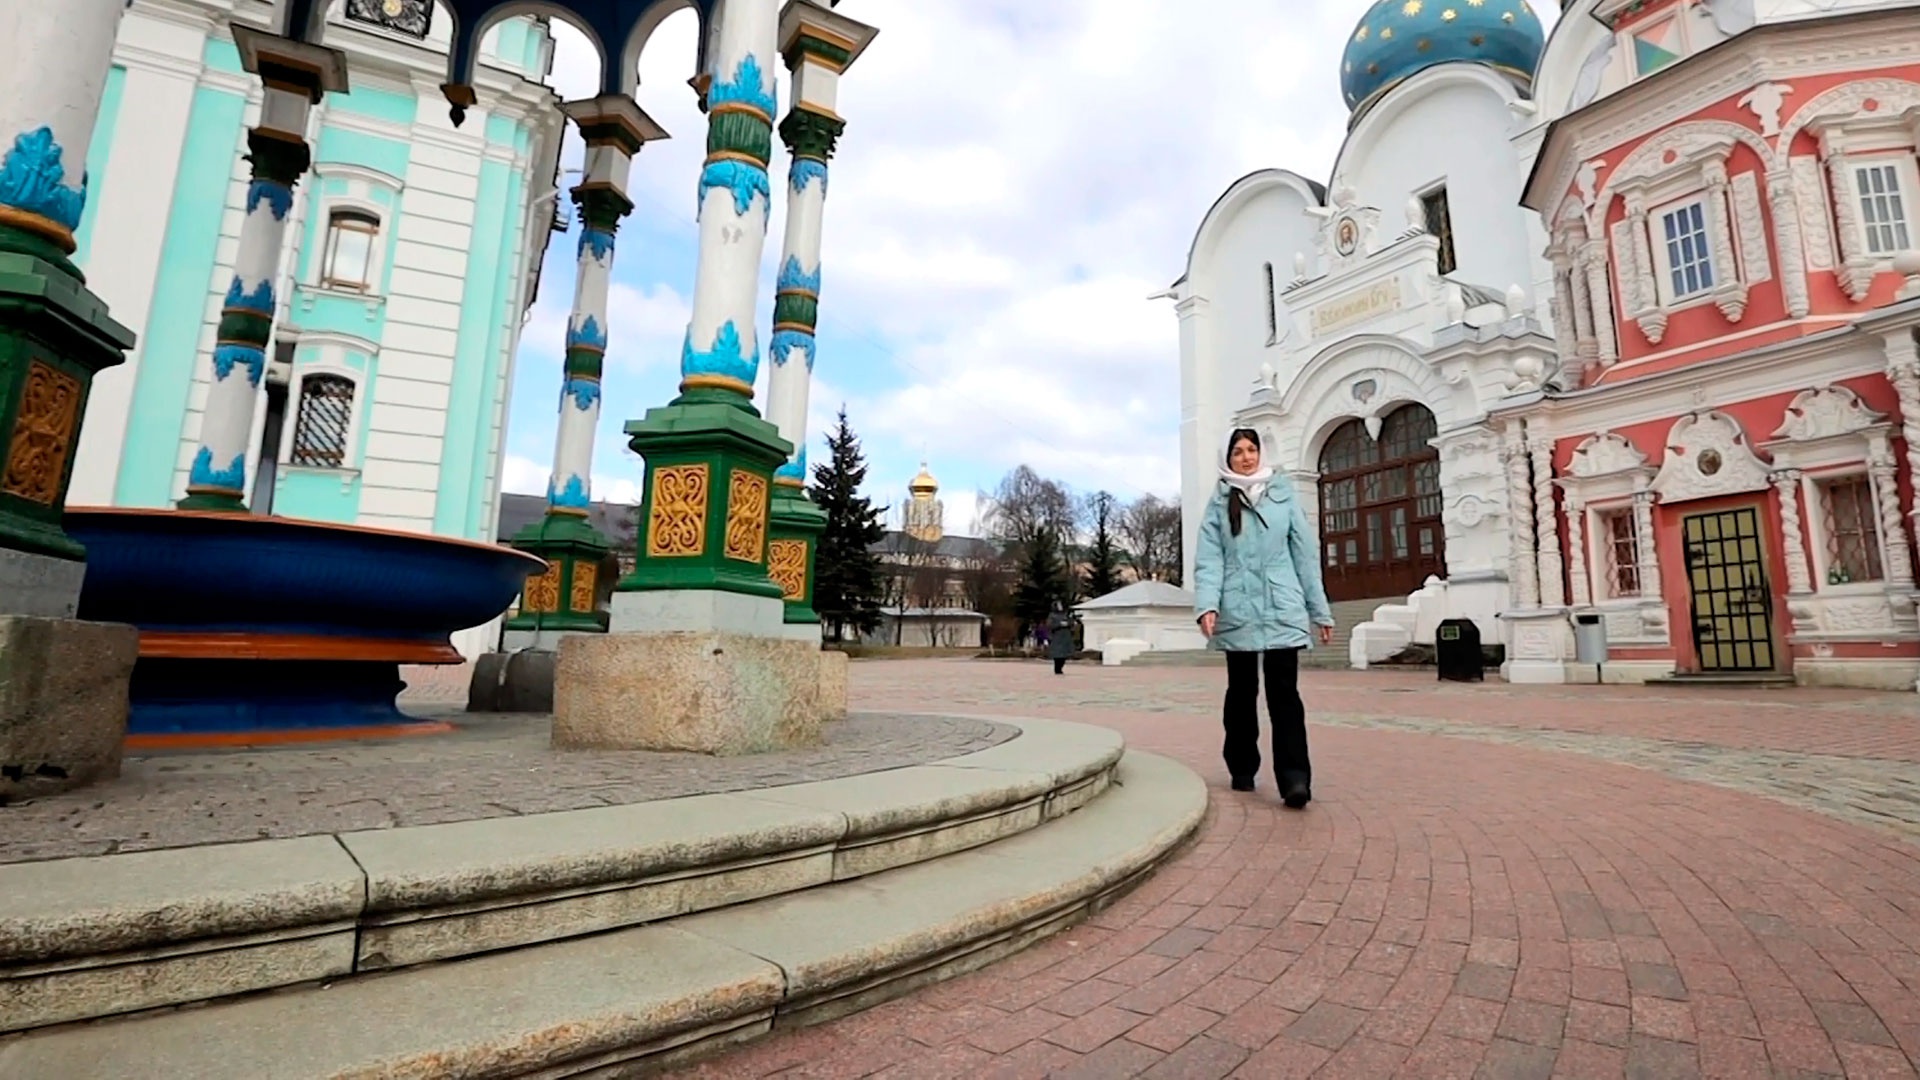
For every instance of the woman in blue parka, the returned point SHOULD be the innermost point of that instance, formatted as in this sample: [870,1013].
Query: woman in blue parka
[1258,593]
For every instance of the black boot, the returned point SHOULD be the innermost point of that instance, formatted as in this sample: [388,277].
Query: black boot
[1297,795]
[1243,783]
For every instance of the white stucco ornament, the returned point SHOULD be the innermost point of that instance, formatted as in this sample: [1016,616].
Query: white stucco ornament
[1605,454]
[1708,455]
[1824,412]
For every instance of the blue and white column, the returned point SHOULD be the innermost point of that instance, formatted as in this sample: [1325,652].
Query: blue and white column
[294,75]
[56,58]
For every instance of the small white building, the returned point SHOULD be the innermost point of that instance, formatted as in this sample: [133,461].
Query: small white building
[929,628]
[1148,616]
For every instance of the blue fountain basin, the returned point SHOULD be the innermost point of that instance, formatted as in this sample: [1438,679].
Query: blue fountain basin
[241,586]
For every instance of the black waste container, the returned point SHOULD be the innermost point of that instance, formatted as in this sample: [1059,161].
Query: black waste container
[1456,651]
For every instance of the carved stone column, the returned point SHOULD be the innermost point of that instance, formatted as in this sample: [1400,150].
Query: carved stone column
[1523,569]
[1886,494]
[1903,370]
[1547,532]
[1645,550]
[1729,290]
[1786,235]
[1600,301]
[1856,264]
[1650,313]
[1786,483]
[1567,305]
[1577,553]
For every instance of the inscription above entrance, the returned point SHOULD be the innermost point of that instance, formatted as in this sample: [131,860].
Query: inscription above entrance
[1358,306]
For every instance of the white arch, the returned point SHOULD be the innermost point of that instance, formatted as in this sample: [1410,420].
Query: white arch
[1322,398]
[1685,141]
[498,15]
[643,31]
[1237,196]
[1891,97]
[1384,113]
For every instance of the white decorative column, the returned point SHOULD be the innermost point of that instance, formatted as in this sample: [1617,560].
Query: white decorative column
[294,76]
[1886,493]
[1524,569]
[1593,258]
[1547,531]
[1646,550]
[1786,483]
[1566,305]
[818,46]
[1903,370]
[565,598]
[1577,579]
[1650,313]
[1856,263]
[1729,290]
[1786,235]
[63,713]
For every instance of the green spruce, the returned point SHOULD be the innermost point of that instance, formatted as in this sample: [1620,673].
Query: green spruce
[848,582]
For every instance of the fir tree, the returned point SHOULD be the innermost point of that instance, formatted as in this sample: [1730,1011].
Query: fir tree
[1103,554]
[848,582]
[1043,579]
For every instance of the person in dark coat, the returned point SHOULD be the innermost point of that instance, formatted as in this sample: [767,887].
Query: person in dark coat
[1260,600]
[1060,637]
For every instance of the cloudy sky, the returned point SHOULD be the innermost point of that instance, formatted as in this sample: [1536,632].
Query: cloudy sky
[1015,180]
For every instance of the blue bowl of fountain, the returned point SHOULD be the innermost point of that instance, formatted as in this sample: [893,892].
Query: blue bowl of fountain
[249,623]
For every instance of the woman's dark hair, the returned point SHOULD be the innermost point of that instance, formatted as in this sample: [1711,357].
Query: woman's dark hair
[1237,499]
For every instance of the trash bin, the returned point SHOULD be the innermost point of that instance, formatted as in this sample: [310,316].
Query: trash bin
[1589,639]
[1456,651]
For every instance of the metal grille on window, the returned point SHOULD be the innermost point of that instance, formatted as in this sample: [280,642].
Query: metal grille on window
[410,17]
[1440,225]
[326,413]
[1623,555]
[1853,541]
[1882,210]
[1688,261]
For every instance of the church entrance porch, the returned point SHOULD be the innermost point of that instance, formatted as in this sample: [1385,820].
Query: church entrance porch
[1380,507]
[1732,604]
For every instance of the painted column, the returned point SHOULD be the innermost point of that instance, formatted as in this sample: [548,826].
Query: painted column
[1547,533]
[55,336]
[1786,484]
[818,47]
[294,75]
[565,598]
[710,456]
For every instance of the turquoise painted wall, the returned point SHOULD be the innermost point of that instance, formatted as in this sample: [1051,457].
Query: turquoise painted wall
[97,158]
[170,342]
[512,225]
[480,313]
[327,494]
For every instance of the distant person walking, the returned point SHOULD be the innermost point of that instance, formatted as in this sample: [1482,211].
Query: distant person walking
[1060,637]
[1258,593]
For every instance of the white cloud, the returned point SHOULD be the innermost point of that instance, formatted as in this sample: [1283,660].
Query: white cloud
[645,326]
[525,476]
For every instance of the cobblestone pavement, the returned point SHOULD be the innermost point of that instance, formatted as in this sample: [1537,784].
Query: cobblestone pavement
[493,766]
[1464,898]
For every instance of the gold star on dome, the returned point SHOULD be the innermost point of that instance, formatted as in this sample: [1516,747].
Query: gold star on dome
[1477,40]
[1422,45]
[1349,68]
[1360,34]
[1448,15]
[1476,3]
[1386,34]
[1410,8]
[1506,17]
[1373,69]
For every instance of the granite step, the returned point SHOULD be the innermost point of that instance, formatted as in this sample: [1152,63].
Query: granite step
[637,1000]
[85,938]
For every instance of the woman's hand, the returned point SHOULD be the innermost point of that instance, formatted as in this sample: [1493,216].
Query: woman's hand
[1326,635]
[1206,623]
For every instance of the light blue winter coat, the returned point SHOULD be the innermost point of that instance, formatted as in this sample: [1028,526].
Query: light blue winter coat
[1264,585]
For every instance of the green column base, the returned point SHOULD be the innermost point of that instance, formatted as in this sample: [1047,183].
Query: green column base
[566,595]
[224,502]
[795,544]
[706,505]
[55,336]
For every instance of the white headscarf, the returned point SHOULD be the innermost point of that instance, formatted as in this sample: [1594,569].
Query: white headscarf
[1252,485]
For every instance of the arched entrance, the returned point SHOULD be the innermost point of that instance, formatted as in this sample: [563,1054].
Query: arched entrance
[1380,527]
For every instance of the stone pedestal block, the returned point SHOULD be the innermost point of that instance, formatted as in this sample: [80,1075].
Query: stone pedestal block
[833,685]
[63,702]
[705,691]
[1540,643]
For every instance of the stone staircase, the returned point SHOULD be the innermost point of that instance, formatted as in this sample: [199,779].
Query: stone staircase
[612,941]
[1347,614]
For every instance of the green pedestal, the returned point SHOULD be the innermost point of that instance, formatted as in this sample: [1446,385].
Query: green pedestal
[54,337]
[795,544]
[706,507]
[566,596]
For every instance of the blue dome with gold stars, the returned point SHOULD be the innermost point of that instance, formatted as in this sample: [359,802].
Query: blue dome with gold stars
[1400,38]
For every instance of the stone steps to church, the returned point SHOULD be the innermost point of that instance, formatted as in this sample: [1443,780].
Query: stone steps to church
[641,998]
[85,938]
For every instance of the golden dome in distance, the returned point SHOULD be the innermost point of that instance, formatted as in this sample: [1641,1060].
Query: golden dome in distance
[923,484]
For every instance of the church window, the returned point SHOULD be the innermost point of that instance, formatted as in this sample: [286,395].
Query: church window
[1440,225]
[1853,539]
[325,417]
[347,260]
[1273,311]
[1883,207]
[1619,535]
[1689,258]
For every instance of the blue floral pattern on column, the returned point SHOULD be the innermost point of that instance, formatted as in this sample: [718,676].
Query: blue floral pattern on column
[795,469]
[749,86]
[792,278]
[278,197]
[33,179]
[726,359]
[572,495]
[805,170]
[585,393]
[784,342]
[598,241]
[259,300]
[744,179]
[227,355]
[203,474]
[588,335]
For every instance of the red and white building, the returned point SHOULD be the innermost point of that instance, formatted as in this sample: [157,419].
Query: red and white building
[1725,471]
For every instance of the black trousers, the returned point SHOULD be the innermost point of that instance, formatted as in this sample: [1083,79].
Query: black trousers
[1289,714]
[1059,665]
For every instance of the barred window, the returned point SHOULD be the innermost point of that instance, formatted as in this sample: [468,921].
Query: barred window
[347,261]
[1440,224]
[1622,552]
[1853,540]
[320,430]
